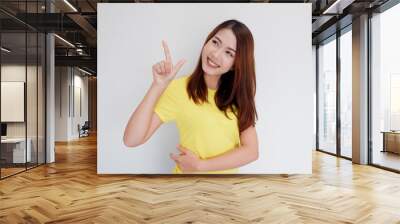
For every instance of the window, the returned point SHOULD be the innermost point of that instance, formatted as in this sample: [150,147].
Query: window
[346,94]
[385,89]
[327,97]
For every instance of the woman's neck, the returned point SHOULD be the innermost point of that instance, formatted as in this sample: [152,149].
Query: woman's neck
[211,81]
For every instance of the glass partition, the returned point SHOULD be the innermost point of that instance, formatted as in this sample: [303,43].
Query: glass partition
[385,89]
[13,95]
[22,77]
[327,96]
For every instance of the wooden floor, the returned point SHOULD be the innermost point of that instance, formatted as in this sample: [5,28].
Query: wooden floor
[70,191]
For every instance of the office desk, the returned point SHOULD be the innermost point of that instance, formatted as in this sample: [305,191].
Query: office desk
[15,148]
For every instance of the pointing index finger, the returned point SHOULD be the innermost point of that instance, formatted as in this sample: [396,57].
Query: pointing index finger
[166,51]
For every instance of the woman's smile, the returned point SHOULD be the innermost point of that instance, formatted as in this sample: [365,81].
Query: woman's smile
[211,63]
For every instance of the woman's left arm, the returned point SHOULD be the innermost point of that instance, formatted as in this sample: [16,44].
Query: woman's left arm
[247,152]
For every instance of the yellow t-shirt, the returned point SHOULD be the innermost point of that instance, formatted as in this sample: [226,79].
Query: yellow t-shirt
[203,128]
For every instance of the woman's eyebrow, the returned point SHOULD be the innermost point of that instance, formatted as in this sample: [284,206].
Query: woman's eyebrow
[216,37]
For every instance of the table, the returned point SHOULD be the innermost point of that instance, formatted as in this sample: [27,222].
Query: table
[17,150]
[391,141]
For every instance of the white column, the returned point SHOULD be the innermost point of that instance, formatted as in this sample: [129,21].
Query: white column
[360,90]
[50,100]
[50,91]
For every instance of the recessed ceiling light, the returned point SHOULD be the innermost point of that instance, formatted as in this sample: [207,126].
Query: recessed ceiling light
[337,7]
[64,40]
[84,71]
[328,10]
[70,5]
[5,50]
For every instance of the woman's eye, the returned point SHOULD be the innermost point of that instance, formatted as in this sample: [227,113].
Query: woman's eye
[229,53]
[214,42]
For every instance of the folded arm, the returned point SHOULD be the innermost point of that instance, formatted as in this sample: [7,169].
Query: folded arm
[247,152]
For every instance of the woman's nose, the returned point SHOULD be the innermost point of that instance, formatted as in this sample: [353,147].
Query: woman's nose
[216,53]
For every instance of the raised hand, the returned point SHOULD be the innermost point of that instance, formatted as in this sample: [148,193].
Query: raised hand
[164,71]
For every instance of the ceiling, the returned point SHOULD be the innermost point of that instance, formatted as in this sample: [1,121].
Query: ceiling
[76,23]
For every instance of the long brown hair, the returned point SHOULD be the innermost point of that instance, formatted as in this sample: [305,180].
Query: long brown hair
[237,87]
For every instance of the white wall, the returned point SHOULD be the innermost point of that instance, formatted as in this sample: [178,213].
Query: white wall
[80,83]
[67,80]
[61,103]
[129,43]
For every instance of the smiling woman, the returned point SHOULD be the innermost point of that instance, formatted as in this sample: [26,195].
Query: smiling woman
[218,56]
[214,107]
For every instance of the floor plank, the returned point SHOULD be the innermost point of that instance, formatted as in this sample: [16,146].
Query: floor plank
[70,191]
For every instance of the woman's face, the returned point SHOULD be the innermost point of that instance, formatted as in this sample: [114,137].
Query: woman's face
[218,53]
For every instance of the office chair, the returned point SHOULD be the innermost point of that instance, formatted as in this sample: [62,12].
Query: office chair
[84,130]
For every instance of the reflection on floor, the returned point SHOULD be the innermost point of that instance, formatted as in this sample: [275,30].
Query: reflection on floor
[386,159]
[10,169]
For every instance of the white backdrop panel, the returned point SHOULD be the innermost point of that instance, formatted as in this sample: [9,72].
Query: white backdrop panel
[129,43]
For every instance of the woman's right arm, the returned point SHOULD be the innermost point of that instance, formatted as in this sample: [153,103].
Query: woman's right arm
[143,119]
[144,122]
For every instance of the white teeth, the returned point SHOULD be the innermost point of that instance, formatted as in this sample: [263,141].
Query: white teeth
[212,63]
